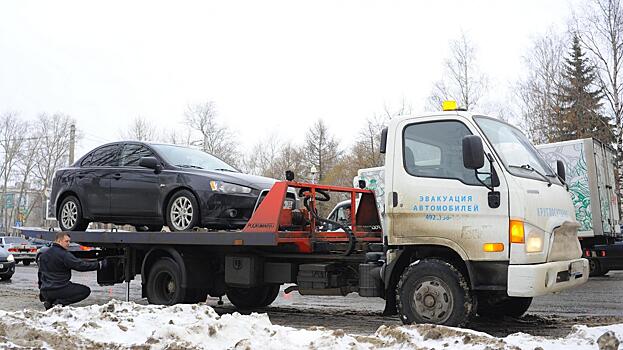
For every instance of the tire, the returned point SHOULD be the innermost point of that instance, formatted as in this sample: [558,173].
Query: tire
[498,305]
[148,228]
[70,215]
[434,291]
[197,295]
[6,278]
[26,262]
[182,211]
[594,268]
[254,297]
[164,285]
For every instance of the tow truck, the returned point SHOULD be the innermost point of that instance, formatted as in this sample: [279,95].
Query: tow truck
[473,221]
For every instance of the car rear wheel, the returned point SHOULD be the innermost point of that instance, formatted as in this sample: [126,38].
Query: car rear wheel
[182,211]
[26,262]
[70,215]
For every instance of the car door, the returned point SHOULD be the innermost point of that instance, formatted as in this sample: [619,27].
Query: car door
[93,180]
[135,190]
[435,198]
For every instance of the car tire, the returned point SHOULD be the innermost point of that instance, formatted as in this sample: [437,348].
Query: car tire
[182,211]
[164,285]
[254,297]
[70,215]
[498,305]
[26,262]
[434,291]
[6,278]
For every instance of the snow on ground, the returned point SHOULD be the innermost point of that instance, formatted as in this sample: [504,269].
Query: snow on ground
[122,325]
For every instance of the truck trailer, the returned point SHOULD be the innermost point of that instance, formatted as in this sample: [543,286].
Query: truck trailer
[474,221]
[590,176]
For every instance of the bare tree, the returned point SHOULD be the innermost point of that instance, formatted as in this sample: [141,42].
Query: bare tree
[26,164]
[140,130]
[321,149]
[12,138]
[600,28]
[536,91]
[178,137]
[53,133]
[462,80]
[217,139]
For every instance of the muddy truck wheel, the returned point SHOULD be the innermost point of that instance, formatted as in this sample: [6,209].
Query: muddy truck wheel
[434,291]
[164,285]
[498,304]
[248,298]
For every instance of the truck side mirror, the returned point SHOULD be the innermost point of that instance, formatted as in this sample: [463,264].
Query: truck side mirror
[560,170]
[151,163]
[473,152]
[383,145]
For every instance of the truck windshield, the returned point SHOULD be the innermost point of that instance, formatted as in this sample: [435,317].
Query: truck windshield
[184,157]
[516,152]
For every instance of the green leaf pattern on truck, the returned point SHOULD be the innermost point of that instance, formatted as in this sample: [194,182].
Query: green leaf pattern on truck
[374,179]
[572,155]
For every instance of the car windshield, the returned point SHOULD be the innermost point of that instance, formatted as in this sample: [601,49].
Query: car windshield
[516,152]
[191,158]
[15,240]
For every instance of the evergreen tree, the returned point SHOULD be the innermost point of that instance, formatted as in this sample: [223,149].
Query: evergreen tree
[579,114]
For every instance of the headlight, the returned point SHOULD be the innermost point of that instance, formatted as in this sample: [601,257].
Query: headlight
[534,239]
[10,258]
[225,187]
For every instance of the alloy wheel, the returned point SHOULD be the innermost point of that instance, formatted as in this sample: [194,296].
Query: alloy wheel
[69,214]
[182,213]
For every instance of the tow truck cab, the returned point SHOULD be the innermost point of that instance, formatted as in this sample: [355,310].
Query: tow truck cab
[470,195]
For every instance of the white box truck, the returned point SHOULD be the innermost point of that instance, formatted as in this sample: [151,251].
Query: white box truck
[590,175]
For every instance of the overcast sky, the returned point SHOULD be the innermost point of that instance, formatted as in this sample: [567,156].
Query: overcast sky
[271,67]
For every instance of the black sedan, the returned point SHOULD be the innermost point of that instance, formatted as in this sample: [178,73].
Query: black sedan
[7,264]
[149,185]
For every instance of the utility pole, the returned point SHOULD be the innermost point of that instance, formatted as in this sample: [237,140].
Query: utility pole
[72,143]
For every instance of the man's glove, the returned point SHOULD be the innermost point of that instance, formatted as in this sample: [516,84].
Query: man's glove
[103,263]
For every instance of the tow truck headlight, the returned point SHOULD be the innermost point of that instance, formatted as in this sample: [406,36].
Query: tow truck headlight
[226,187]
[534,239]
[10,258]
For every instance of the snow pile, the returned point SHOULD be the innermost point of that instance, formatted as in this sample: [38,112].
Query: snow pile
[124,325]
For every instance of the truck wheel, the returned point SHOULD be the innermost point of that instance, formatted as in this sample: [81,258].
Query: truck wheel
[197,295]
[594,268]
[26,262]
[248,298]
[496,305]
[164,285]
[182,211]
[434,291]
[70,215]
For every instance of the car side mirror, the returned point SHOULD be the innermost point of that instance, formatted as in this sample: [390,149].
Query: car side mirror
[560,170]
[151,163]
[473,152]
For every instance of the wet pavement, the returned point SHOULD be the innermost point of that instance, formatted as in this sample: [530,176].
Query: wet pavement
[598,302]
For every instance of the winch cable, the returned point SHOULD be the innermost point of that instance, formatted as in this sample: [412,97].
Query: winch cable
[351,237]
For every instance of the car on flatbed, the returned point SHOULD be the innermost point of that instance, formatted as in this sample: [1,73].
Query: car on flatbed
[149,185]
[20,248]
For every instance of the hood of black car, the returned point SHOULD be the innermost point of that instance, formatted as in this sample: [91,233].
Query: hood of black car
[253,181]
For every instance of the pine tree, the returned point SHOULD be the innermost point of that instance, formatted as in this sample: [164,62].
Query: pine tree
[579,114]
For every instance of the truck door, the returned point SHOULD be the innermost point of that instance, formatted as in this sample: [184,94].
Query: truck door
[435,198]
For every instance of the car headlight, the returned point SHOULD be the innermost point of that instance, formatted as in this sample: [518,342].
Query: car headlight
[534,239]
[10,258]
[226,187]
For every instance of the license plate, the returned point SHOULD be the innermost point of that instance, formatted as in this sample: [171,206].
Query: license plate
[576,268]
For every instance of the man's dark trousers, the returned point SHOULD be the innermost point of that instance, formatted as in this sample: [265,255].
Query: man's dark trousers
[71,293]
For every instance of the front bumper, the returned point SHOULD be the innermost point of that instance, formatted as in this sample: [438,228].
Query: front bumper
[541,279]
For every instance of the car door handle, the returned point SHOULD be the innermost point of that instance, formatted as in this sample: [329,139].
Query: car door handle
[116,176]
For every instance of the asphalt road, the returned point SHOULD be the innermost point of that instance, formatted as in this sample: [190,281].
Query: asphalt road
[598,302]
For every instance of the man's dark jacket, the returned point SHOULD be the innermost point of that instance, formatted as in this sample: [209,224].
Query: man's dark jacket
[55,267]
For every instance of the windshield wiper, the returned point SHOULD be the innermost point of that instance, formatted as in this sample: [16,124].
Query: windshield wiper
[531,169]
[188,166]
[223,169]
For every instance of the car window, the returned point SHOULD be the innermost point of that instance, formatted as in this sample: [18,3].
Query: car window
[132,153]
[105,156]
[15,240]
[434,149]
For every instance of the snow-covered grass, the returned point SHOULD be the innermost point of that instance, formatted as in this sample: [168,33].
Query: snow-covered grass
[120,325]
